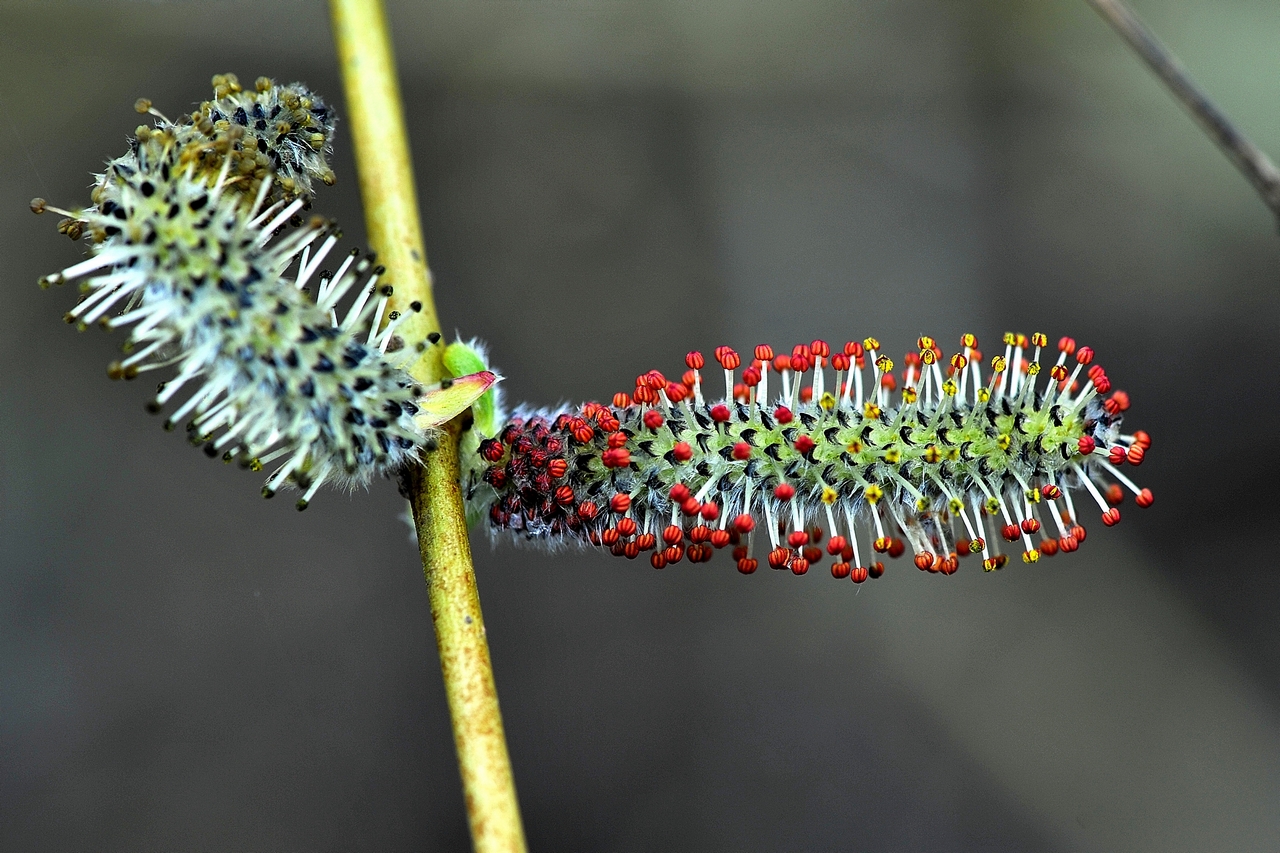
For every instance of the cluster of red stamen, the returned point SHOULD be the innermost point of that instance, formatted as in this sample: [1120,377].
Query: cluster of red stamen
[950,468]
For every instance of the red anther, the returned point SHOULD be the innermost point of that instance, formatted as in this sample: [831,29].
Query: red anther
[744,523]
[538,458]
[1095,371]
[657,560]
[1141,439]
[836,545]
[710,511]
[781,362]
[978,545]
[728,359]
[820,349]
[491,450]
[962,547]
[747,565]
[616,440]
[1068,544]
[557,468]
[847,553]
[1115,494]
[1111,517]
[958,362]
[645,394]
[784,491]
[742,392]
[812,553]
[804,444]
[678,493]
[694,360]
[610,536]
[853,349]
[741,451]
[1058,373]
[1102,385]
[1067,345]
[654,380]
[1051,491]
[652,419]
[689,379]
[1084,355]
[840,571]
[859,574]
[797,538]
[888,382]
[800,364]
[564,495]
[618,457]
[720,413]
[1086,445]
[1116,455]
[620,503]
[806,394]
[617,549]
[740,552]
[924,561]
[691,506]
[682,451]
[950,565]
[881,545]
[646,541]
[674,554]
[782,415]
[1030,525]
[764,352]
[1079,533]
[840,361]
[627,526]
[798,565]
[815,535]
[700,534]
[677,391]
[587,510]
[1010,532]
[719,538]
[621,400]
[1145,498]
[1048,547]
[672,534]
[897,547]
[778,558]
[912,360]
[1136,454]
[581,431]
[751,377]
[631,550]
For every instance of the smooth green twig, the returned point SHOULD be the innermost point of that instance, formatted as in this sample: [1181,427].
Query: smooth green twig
[395,233]
[1255,165]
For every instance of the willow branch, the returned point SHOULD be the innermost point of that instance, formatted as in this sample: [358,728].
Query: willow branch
[1255,165]
[395,233]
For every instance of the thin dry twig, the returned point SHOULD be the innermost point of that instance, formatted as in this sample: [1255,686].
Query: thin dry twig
[1247,157]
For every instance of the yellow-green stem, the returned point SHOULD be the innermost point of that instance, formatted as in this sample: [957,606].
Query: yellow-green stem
[376,119]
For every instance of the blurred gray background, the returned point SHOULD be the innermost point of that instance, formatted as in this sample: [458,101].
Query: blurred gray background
[605,186]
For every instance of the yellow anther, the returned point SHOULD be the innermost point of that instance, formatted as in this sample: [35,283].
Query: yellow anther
[968,340]
[884,363]
[932,454]
[958,361]
[1039,339]
[925,342]
[992,506]
[1033,496]
[955,506]
[949,388]
[983,395]
[828,402]
[142,105]
[829,495]
[909,394]
[928,356]
[854,447]
[1009,338]
[873,494]
[1004,440]
[870,411]
[922,505]
[892,456]
[1021,341]
[953,453]
[1031,556]
[1033,369]
[998,364]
